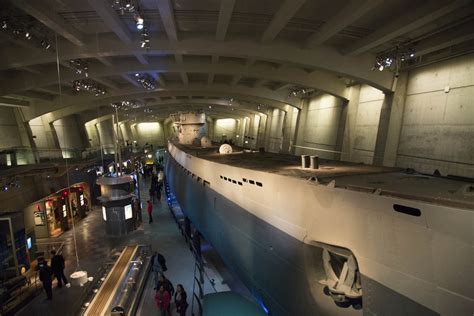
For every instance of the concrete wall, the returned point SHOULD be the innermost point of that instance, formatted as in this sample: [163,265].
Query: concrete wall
[10,135]
[366,124]
[151,133]
[225,127]
[438,120]
[320,130]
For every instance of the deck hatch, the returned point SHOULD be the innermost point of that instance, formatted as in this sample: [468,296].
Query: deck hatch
[251,182]
[406,210]
[259,184]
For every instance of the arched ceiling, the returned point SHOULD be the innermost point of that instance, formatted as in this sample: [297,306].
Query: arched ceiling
[213,50]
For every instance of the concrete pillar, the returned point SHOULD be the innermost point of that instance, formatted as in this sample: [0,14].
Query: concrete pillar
[261,131]
[69,135]
[105,130]
[301,123]
[391,117]
[350,123]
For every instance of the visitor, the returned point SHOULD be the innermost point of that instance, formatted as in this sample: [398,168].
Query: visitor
[163,281]
[180,300]
[57,266]
[150,211]
[156,267]
[163,299]
[46,277]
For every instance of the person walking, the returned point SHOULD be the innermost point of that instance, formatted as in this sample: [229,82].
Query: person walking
[57,266]
[163,299]
[180,300]
[150,211]
[46,277]
[163,281]
[156,267]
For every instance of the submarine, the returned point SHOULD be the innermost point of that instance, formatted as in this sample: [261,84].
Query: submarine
[327,237]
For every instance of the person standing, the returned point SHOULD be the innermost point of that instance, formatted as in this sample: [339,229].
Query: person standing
[57,266]
[163,299]
[180,300]
[163,281]
[46,277]
[150,211]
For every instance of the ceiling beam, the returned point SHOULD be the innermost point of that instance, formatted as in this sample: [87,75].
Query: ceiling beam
[235,80]
[210,78]
[225,14]
[30,70]
[328,83]
[323,58]
[167,17]
[351,12]
[52,20]
[131,80]
[142,59]
[446,39]
[8,102]
[406,23]
[36,96]
[108,83]
[178,58]
[259,83]
[184,78]
[78,103]
[283,85]
[287,10]
[111,19]
[160,80]
[104,61]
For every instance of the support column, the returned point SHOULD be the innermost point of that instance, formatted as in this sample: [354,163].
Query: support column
[300,125]
[391,118]
[351,118]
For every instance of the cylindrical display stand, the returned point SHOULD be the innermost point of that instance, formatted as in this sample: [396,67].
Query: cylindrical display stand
[314,162]
[118,208]
[304,161]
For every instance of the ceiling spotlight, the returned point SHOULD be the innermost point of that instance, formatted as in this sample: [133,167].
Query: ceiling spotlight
[210,106]
[28,35]
[139,23]
[4,25]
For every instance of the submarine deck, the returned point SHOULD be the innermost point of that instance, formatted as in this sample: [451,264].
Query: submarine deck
[388,181]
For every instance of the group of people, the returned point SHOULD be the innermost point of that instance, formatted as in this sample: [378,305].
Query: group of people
[165,290]
[47,273]
[156,185]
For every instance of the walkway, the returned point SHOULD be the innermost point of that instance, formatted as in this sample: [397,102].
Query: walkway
[95,249]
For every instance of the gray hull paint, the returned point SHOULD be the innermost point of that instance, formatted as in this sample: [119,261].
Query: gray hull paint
[281,270]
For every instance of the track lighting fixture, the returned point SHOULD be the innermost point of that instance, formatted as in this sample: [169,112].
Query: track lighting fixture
[80,66]
[393,58]
[89,86]
[146,81]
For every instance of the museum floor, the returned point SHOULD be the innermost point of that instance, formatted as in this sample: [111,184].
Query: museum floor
[95,249]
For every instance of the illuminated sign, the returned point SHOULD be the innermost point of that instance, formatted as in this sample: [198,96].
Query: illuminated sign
[28,242]
[81,199]
[64,210]
[128,211]
[104,215]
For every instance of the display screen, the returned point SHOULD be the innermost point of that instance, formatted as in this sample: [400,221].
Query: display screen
[64,210]
[28,242]
[128,211]
[104,215]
